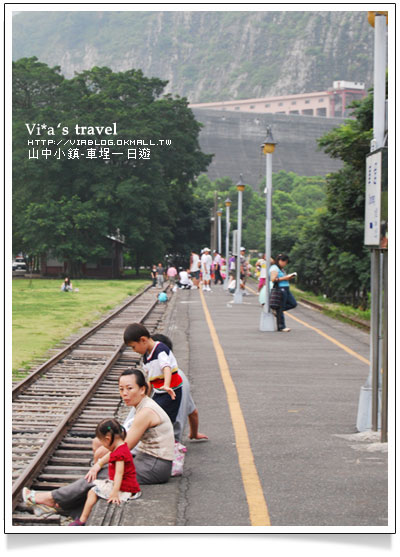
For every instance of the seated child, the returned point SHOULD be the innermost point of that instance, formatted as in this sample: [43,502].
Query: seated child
[160,366]
[122,484]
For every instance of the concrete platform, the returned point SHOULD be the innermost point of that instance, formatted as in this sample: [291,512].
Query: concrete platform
[298,393]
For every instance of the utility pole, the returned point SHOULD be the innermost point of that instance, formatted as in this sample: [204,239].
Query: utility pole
[368,410]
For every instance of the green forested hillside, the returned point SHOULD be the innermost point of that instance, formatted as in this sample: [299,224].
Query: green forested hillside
[206,55]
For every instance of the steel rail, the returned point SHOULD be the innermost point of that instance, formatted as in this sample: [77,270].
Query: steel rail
[31,471]
[22,385]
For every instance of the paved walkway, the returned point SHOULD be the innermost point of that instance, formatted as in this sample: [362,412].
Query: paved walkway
[280,410]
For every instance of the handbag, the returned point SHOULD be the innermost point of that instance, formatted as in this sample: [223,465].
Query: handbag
[275,297]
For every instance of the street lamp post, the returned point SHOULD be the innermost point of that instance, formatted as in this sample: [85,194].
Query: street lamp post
[228,204]
[238,297]
[268,147]
[219,214]
[212,232]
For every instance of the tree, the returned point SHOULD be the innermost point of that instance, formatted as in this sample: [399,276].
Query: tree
[330,252]
[68,228]
[294,200]
[69,204]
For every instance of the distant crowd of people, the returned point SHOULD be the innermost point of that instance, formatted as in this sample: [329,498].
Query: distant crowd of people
[203,269]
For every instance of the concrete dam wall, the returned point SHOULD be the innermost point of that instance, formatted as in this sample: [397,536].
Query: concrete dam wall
[235,140]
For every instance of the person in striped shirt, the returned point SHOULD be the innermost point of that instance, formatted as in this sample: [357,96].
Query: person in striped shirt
[160,367]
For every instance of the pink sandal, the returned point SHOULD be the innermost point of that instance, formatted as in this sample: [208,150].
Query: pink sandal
[77,522]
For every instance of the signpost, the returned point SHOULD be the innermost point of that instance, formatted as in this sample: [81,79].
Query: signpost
[375,236]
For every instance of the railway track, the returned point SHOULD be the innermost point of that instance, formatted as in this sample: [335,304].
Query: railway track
[57,407]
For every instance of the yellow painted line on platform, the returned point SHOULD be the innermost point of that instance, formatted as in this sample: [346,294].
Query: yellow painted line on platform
[342,346]
[331,339]
[258,510]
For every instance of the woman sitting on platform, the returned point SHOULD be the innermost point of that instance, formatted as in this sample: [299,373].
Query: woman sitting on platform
[151,435]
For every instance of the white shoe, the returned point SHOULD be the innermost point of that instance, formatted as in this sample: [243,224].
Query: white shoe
[209,289]
[204,288]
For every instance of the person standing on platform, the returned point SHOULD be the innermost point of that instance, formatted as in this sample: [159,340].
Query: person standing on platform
[261,266]
[223,268]
[232,266]
[279,276]
[217,268]
[160,275]
[171,274]
[153,275]
[243,269]
[206,262]
[194,268]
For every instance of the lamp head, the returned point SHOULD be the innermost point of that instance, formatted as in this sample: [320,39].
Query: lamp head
[269,144]
[240,185]
[371,17]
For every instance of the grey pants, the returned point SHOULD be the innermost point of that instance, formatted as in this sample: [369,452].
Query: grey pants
[149,470]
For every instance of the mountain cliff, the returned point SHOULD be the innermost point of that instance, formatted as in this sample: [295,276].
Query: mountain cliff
[207,56]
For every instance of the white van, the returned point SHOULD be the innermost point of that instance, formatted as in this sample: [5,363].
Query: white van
[19,266]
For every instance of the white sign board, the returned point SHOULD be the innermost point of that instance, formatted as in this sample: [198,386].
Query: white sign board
[372,224]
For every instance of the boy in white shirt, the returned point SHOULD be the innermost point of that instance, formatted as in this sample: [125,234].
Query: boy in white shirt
[206,261]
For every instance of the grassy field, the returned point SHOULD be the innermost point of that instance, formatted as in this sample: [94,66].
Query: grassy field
[338,311]
[42,315]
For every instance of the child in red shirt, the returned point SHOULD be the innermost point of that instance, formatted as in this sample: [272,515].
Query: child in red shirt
[122,484]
